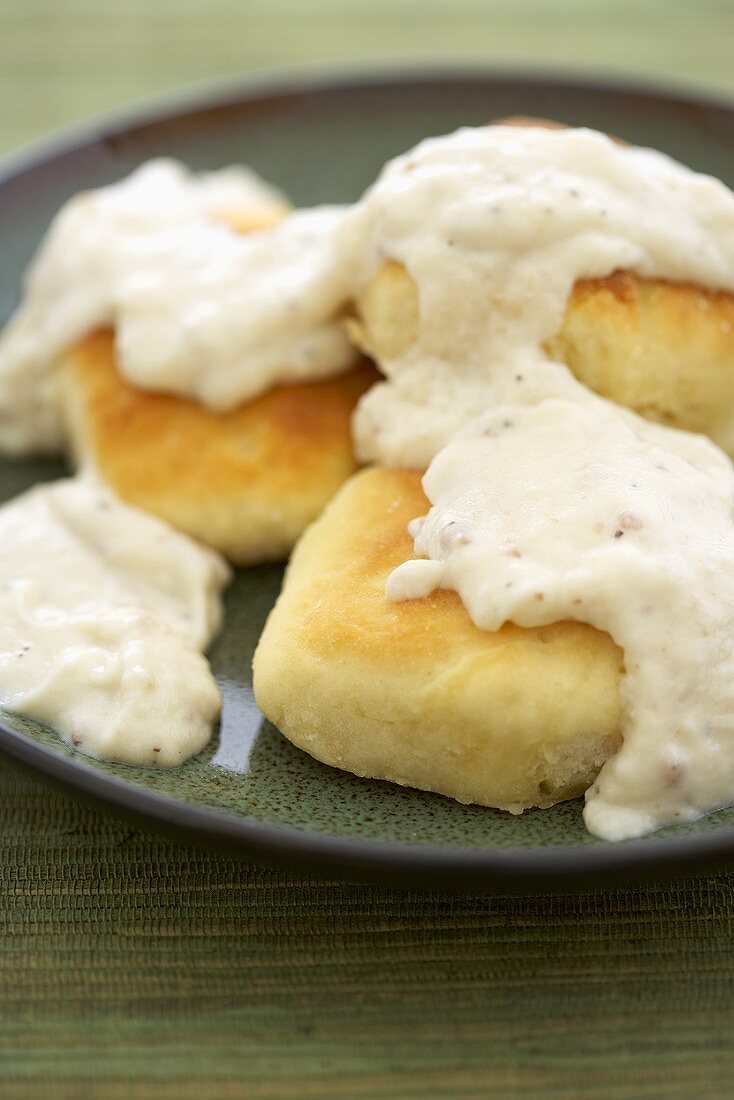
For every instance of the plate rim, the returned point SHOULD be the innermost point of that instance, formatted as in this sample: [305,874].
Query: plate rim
[518,869]
[315,78]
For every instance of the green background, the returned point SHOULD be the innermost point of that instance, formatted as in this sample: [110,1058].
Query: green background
[132,967]
[63,59]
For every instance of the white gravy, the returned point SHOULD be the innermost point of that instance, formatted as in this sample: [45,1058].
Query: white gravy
[103,613]
[198,309]
[550,503]
[578,510]
[495,225]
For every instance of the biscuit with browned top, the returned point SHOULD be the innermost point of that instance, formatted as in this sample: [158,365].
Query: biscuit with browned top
[415,693]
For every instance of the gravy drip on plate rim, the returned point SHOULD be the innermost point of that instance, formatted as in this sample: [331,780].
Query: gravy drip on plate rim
[548,502]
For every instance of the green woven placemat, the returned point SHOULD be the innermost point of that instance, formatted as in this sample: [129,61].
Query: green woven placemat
[134,967]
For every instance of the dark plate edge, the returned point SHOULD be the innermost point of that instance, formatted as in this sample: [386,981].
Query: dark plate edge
[517,870]
[303,80]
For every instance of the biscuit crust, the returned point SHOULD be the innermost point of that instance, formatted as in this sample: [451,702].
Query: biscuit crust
[664,349]
[246,482]
[413,692]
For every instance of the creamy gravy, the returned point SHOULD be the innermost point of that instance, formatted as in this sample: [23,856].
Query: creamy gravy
[495,225]
[562,509]
[198,309]
[550,503]
[103,613]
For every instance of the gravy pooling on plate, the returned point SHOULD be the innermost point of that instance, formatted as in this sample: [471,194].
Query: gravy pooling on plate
[104,612]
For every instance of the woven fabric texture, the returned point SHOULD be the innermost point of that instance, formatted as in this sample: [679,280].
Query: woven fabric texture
[135,967]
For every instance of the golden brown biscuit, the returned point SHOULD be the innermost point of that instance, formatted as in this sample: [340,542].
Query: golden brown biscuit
[530,122]
[252,219]
[414,692]
[664,349]
[246,482]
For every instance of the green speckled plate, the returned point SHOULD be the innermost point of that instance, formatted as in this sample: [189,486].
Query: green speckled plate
[251,790]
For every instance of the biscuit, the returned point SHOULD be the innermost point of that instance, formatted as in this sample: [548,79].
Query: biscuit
[664,349]
[246,482]
[413,692]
